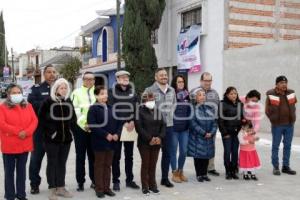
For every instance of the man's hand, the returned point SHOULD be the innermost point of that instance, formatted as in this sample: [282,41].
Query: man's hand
[22,135]
[153,141]
[208,135]
[115,137]
[109,137]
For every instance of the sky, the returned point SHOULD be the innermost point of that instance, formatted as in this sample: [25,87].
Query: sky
[47,23]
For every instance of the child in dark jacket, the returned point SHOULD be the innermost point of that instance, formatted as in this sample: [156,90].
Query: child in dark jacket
[151,131]
[104,136]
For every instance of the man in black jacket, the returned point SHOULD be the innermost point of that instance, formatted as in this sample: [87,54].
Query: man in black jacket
[123,100]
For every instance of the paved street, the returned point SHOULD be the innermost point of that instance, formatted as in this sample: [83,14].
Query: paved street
[268,187]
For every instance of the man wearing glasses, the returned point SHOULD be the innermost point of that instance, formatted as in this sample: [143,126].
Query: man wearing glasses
[213,99]
[82,99]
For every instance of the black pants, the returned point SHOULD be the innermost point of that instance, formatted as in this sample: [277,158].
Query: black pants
[36,158]
[12,162]
[201,166]
[128,151]
[83,147]
[57,156]
[231,152]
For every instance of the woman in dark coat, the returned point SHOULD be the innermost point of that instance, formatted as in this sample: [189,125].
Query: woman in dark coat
[203,128]
[57,116]
[230,123]
[151,131]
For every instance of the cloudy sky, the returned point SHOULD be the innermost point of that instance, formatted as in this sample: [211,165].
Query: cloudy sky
[47,23]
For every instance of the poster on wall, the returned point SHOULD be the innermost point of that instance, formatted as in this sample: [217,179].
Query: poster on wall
[188,50]
[6,72]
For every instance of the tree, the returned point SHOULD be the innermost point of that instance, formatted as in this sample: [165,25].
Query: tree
[140,19]
[3,49]
[71,69]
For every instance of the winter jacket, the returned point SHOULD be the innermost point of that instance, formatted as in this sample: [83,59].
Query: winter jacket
[281,109]
[148,125]
[12,122]
[204,121]
[230,117]
[101,123]
[56,119]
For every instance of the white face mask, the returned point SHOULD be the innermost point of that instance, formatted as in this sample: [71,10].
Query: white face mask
[252,103]
[16,98]
[150,104]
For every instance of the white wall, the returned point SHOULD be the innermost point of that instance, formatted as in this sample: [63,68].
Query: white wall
[211,44]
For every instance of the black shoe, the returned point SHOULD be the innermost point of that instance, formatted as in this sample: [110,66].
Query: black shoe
[132,185]
[35,190]
[200,179]
[21,198]
[80,188]
[246,177]
[205,178]
[154,190]
[228,176]
[214,173]
[93,186]
[146,192]
[116,187]
[288,170]
[253,177]
[234,176]
[166,183]
[276,171]
[100,195]
[110,193]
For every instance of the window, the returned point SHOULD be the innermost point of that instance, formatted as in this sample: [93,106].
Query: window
[154,37]
[99,46]
[191,17]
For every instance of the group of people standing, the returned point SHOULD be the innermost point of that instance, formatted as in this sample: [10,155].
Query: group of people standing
[164,118]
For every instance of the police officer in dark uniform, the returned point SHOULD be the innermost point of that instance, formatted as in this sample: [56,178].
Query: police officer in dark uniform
[39,93]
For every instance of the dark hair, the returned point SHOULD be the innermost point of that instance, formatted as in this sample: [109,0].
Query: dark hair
[86,73]
[228,90]
[247,124]
[146,96]
[253,93]
[98,89]
[174,82]
[160,69]
[8,102]
[204,74]
[48,66]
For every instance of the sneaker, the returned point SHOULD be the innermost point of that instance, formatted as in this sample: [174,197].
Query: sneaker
[80,188]
[52,194]
[100,195]
[35,190]
[276,171]
[132,185]
[176,177]
[154,190]
[166,183]
[205,178]
[214,172]
[110,193]
[288,170]
[146,192]
[116,187]
[200,179]
[63,192]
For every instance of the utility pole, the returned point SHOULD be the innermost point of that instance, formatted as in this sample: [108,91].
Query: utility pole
[12,65]
[119,35]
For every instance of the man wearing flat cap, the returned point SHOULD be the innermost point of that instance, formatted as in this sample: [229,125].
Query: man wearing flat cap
[281,111]
[123,99]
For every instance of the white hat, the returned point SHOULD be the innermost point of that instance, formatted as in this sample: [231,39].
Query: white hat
[121,73]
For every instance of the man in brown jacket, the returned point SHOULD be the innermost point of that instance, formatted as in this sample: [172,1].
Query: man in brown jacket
[281,111]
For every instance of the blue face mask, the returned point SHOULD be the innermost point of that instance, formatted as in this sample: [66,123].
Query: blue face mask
[16,98]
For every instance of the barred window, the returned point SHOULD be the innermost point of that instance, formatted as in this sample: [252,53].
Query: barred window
[191,17]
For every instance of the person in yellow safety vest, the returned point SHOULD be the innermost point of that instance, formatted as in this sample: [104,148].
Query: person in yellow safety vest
[82,99]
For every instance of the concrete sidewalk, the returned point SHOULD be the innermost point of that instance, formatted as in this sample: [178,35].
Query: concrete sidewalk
[268,187]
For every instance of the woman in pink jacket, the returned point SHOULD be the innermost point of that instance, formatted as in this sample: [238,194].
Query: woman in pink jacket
[17,125]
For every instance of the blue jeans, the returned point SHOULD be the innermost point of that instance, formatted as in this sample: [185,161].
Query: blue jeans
[12,163]
[181,138]
[166,153]
[278,132]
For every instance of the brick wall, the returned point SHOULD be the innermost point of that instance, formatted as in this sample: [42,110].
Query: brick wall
[255,22]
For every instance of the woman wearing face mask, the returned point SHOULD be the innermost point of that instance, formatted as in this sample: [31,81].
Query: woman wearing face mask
[17,125]
[151,131]
[252,108]
[57,116]
[230,124]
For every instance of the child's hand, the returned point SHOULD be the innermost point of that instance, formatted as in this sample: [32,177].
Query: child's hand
[257,138]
